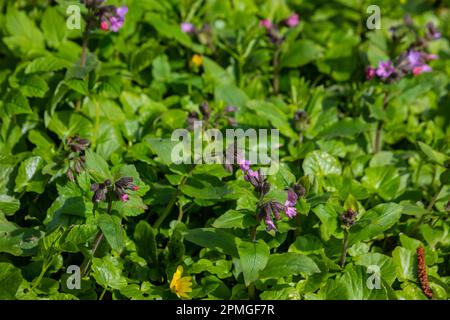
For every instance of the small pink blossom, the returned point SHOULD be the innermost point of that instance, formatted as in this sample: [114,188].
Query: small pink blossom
[124,197]
[421,69]
[266,23]
[293,20]
[290,211]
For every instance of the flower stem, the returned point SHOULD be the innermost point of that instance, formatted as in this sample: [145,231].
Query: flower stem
[276,70]
[377,142]
[251,291]
[103,294]
[344,249]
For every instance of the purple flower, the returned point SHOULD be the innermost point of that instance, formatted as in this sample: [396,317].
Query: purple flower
[291,199]
[414,58]
[116,23]
[266,23]
[293,20]
[121,12]
[385,69]
[187,27]
[269,223]
[291,211]
[245,165]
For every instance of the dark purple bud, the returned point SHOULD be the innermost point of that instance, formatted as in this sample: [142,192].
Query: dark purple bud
[276,208]
[191,119]
[299,190]
[432,33]
[407,20]
[77,144]
[348,218]
[205,110]
[230,109]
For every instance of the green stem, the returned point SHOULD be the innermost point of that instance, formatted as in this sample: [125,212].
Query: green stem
[251,291]
[344,249]
[276,70]
[103,294]
[377,142]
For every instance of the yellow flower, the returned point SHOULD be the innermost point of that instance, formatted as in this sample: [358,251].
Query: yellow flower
[197,60]
[181,285]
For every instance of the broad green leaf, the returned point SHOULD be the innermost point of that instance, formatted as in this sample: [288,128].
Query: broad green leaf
[144,236]
[288,264]
[213,239]
[107,273]
[10,281]
[320,163]
[253,257]
[9,205]
[301,52]
[375,221]
[97,167]
[111,227]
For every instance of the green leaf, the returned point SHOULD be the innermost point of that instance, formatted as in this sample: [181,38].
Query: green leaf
[345,128]
[213,239]
[384,263]
[29,176]
[320,163]
[253,257]
[10,281]
[111,227]
[53,25]
[145,240]
[405,263]
[9,205]
[384,181]
[97,167]
[288,264]
[301,52]
[433,155]
[235,219]
[107,273]
[375,221]
[16,103]
[33,86]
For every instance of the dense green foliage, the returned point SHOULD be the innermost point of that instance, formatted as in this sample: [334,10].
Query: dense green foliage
[370,158]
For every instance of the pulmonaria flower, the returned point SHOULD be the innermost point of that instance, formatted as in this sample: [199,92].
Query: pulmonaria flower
[432,33]
[205,109]
[265,23]
[370,73]
[258,181]
[197,60]
[187,27]
[293,20]
[191,119]
[421,69]
[290,204]
[100,191]
[245,165]
[348,218]
[112,18]
[385,69]
[179,285]
[121,186]
[270,225]
[77,144]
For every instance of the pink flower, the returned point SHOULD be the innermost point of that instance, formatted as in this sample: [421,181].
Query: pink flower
[269,223]
[104,26]
[421,69]
[124,197]
[370,73]
[245,165]
[385,69]
[293,20]
[290,211]
[187,27]
[266,23]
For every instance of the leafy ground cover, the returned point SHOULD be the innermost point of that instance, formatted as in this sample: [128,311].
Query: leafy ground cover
[92,205]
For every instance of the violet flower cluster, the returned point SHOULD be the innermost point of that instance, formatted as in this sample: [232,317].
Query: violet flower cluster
[272,29]
[109,17]
[116,191]
[270,209]
[413,61]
